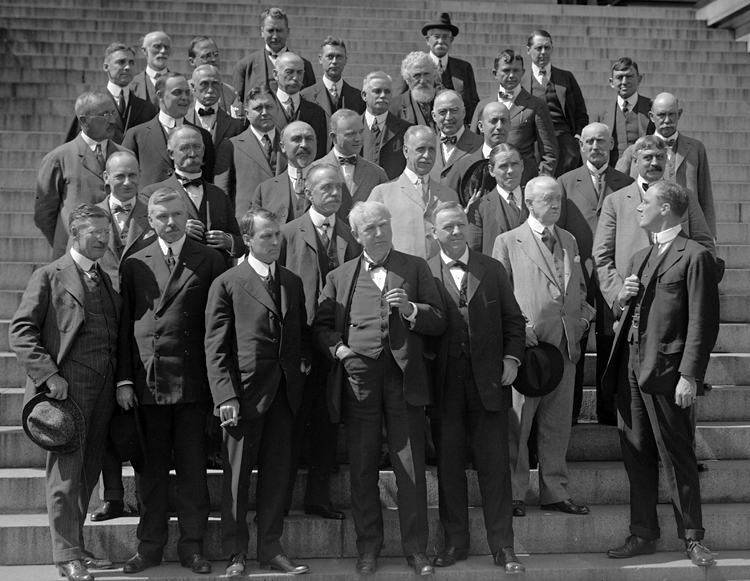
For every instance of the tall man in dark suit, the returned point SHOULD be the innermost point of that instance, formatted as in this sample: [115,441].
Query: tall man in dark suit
[71,174]
[257,349]
[119,62]
[531,125]
[559,89]
[383,136]
[64,334]
[160,368]
[257,68]
[476,364]
[203,50]
[372,319]
[415,105]
[456,141]
[584,190]
[667,329]
[211,218]
[156,47]
[254,156]
[149,140]
[206,112]
[312,246]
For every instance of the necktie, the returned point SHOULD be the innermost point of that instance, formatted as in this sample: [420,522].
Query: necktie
[375,265]
[549,240]
[299,185]
[93,274]
[99,155]
[265,141]
[118,209]
[203,112]
[170,260]
[457,264]
[426,113]
[441,69]
[334,95]
[289,108]
[187,182]
[423,190]
[625,108]
[271,288]
[463,287]
[324,238]
[375,129]
[505,96]
[445,139]
[120,101]
[512,204]
[351,160]
[670,142]
[543,77]
[645,186]
[599,182]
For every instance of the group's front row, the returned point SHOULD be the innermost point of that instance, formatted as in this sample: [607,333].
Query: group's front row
[391,336]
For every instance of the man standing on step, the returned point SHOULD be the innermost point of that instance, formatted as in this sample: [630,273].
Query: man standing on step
[71,174]
[206,112]
[415,106]
[156,47]
[668,327]
[64,334]
[476,362]
[203,50]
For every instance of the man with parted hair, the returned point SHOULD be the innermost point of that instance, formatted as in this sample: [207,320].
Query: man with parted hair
[203,50]
[415,106]
[383,136]
[206,112]
[531,125]
[156,46]
[456,141]
[257,67]
[71,174]
[64,335]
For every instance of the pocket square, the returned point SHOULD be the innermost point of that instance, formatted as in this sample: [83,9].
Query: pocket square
[577,259]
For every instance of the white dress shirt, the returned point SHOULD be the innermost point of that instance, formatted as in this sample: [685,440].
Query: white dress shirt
[666,237]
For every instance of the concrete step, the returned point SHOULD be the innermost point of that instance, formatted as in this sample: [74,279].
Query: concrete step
[3,343]
[18,199]
[11,374]
[733,338]
[733,233]
[59,124]
[735,255]
[735,282]
[732,211]
[16,274]
[30,140]
[734,308]
[20,159]
[24,539]
[17,223]
[9,301]
[18,178]
[32,247]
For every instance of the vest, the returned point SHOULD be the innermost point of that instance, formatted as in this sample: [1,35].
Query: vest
[327,257]
[370,147]
[458,317]
[368,317]
[548,94]
[650,269]
[555,262]
[626,128]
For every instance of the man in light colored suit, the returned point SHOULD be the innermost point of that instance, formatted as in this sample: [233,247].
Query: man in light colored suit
[413,197]
[456,141]
[64,334]
[71,174]
[206,112]
[254,156]
[415,106]
[544,267]
[687,162]
[156,47]
[203,50]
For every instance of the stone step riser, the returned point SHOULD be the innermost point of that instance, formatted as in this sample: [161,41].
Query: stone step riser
[735,282]
[16,275]
[33,248]
[16,224]
[732,211]
[734,233]
[735,255]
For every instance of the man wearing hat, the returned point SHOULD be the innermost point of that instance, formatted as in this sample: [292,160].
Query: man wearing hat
[545,269]
[64,334]
[454,73]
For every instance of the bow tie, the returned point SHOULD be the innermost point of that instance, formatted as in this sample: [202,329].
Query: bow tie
[203,112]
[375,265]
[118,209]
[351,160]
[645,186]
[452,139]
[187,182]
[457,264]
[670,142]
[505,96]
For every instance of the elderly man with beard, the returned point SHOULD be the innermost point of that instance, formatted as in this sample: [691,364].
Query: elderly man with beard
[415,106]
[156,46]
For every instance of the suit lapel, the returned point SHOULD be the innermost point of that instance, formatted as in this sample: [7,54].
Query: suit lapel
[498,208]
[672,255]
[475,274]
[556,79]
[159,138]
[184,269]
[221,126]
[585,187]
[137,223]
[681,149]
[251,148]
[568,257]
[286,299]
[88,159]
[309,235]
[410,191]
[519,104]
[342,241]
[71,280]
[389,132]
[252,283]
[394,280]
[531,249]
[358,176]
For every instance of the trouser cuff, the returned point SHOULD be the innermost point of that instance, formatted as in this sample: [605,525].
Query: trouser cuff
[644,533]
[693,534]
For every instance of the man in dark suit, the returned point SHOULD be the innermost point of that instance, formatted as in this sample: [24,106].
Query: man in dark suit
[211,218]
[453,73]
[415,106]
[64,334]
[71,174]
[311,247]
[257,68]
[502,209]
[156,47]
[359,175]
[559,89]
[372,319]
[628,118]
[687,162]
[254,156]
[203,50]
[160,368]
[119,62]
[149,141]
[584,190]
[531,125]
[258,353]
[383,136]
[206,112]
[668,326]
[456,141]
[476,364]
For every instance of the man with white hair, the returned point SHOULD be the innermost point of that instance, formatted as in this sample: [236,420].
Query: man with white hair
[415,106]
[156,46]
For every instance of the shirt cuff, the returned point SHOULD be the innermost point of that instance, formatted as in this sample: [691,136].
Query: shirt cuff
[125,383]
[413,317]
[516,359]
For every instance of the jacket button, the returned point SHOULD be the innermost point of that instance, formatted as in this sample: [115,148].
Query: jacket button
[187,352]
[187,333]
[274,340]
[156,335]
[186,313]
[156,356]
[156,317]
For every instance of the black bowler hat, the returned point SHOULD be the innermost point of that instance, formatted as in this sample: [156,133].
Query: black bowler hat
[442,21]
[55,425]
[540,371]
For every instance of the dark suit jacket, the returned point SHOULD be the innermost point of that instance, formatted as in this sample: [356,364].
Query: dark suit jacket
[313,115]
[51,313]
[496,329]
[276,194]
[244,358]
[350,97]
[215,206]
[143,87]
[299,253]
[224,127]
[459,177]
[406,109]
[468,143]
[149,144]
[390,155]
[679,319]
[490,218]
[530,125]
[69,175]
[645,127]
[367,175]
[407,345]
[137,111]
[257,69]
[241,166]
[570,96]
[160,345]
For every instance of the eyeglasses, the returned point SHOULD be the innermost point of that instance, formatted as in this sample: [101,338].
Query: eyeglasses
[107,115]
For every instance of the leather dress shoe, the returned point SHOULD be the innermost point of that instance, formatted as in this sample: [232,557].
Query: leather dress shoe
[197,563]
[285,565]
[449,556]
[633,547]
[506,557]
[91,562]
[699,553]
[519,508]
[324,511]
[420,563]
[74,571]
[567,506]
[108,510]
[138,563]
[367,564]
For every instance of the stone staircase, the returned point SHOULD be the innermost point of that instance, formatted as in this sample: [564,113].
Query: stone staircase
[52,52]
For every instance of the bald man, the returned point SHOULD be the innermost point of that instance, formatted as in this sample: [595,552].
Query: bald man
[156,46]
[203,50]
[206,111]
[456,141]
